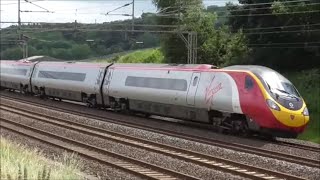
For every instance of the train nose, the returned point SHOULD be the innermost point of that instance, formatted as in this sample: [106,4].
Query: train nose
[297,117]
[291,118]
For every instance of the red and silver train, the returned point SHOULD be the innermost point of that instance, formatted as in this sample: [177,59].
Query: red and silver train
[235,98]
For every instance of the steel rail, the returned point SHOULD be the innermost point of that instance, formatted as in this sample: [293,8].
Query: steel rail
[228,145]
[299,146]
[200,159]
[139,168]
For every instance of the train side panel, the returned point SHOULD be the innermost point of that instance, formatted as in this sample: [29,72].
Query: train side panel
[218,91]
[160,92]
[180,93]
[73,81]
[16,75]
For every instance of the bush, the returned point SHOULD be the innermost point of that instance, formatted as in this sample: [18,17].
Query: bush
[80,51]
[12,53]
[144,56]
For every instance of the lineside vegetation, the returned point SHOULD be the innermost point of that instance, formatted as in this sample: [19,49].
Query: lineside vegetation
[19,162]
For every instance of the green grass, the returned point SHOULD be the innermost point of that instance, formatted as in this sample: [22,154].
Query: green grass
[16,160]
[139,56]
[307,83]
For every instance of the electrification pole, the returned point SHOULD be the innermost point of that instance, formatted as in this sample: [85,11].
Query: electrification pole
[132,15]
[19,33]
[19,20]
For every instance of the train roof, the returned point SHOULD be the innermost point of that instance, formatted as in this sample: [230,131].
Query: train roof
[262,71]
[165,66]
[252,68]
[73,63]
[16,62]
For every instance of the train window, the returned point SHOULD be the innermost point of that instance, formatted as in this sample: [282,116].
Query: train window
[62,75]
[249,83]
[195,80]
[13,71]
[157,83]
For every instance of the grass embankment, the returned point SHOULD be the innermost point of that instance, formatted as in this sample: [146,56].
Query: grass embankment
[307,83]
[18,162]
[139,56]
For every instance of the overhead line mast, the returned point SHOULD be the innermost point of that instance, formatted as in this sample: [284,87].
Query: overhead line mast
[132,15]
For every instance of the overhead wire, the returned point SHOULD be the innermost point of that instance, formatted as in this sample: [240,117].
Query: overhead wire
[278,32]
[246,5]
[285,47]
[37,5]
[260,28]
[250,9]
[125,5]
[268,45]
[284,2]
[281,27]
[272,14]
[265,14]
[286,43]
[245,30]
[20,2]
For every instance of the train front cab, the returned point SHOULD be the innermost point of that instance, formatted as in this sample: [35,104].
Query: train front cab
[289,111]
[270,102]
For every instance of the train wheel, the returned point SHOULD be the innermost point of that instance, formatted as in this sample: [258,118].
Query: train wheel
[42,94]
[21,90]
[239,127]
[125,107]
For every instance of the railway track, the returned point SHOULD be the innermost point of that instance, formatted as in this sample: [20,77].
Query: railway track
[234,146]
[299,146]
[130,165]
[178,153]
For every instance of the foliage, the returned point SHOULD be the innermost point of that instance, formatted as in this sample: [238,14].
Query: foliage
[172,45]
[73,45]
[149,56]
[139,56]
[42,175]
[290,43]
[18,162]
[80,51]
[215,45]
[12,53]
[221,12]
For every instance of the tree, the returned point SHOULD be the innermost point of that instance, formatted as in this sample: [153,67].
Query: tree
[172,45]
[80,51]
[281,35]
[216,45]
[12,53]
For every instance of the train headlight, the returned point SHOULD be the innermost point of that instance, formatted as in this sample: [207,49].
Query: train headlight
[305,112]
[273,105]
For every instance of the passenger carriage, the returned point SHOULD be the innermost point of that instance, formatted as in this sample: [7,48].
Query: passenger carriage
[15,75]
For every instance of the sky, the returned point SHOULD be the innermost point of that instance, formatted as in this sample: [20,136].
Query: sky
[90,11]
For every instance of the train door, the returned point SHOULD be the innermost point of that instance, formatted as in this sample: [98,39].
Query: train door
[193,88]
[105,87]
[107,81]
